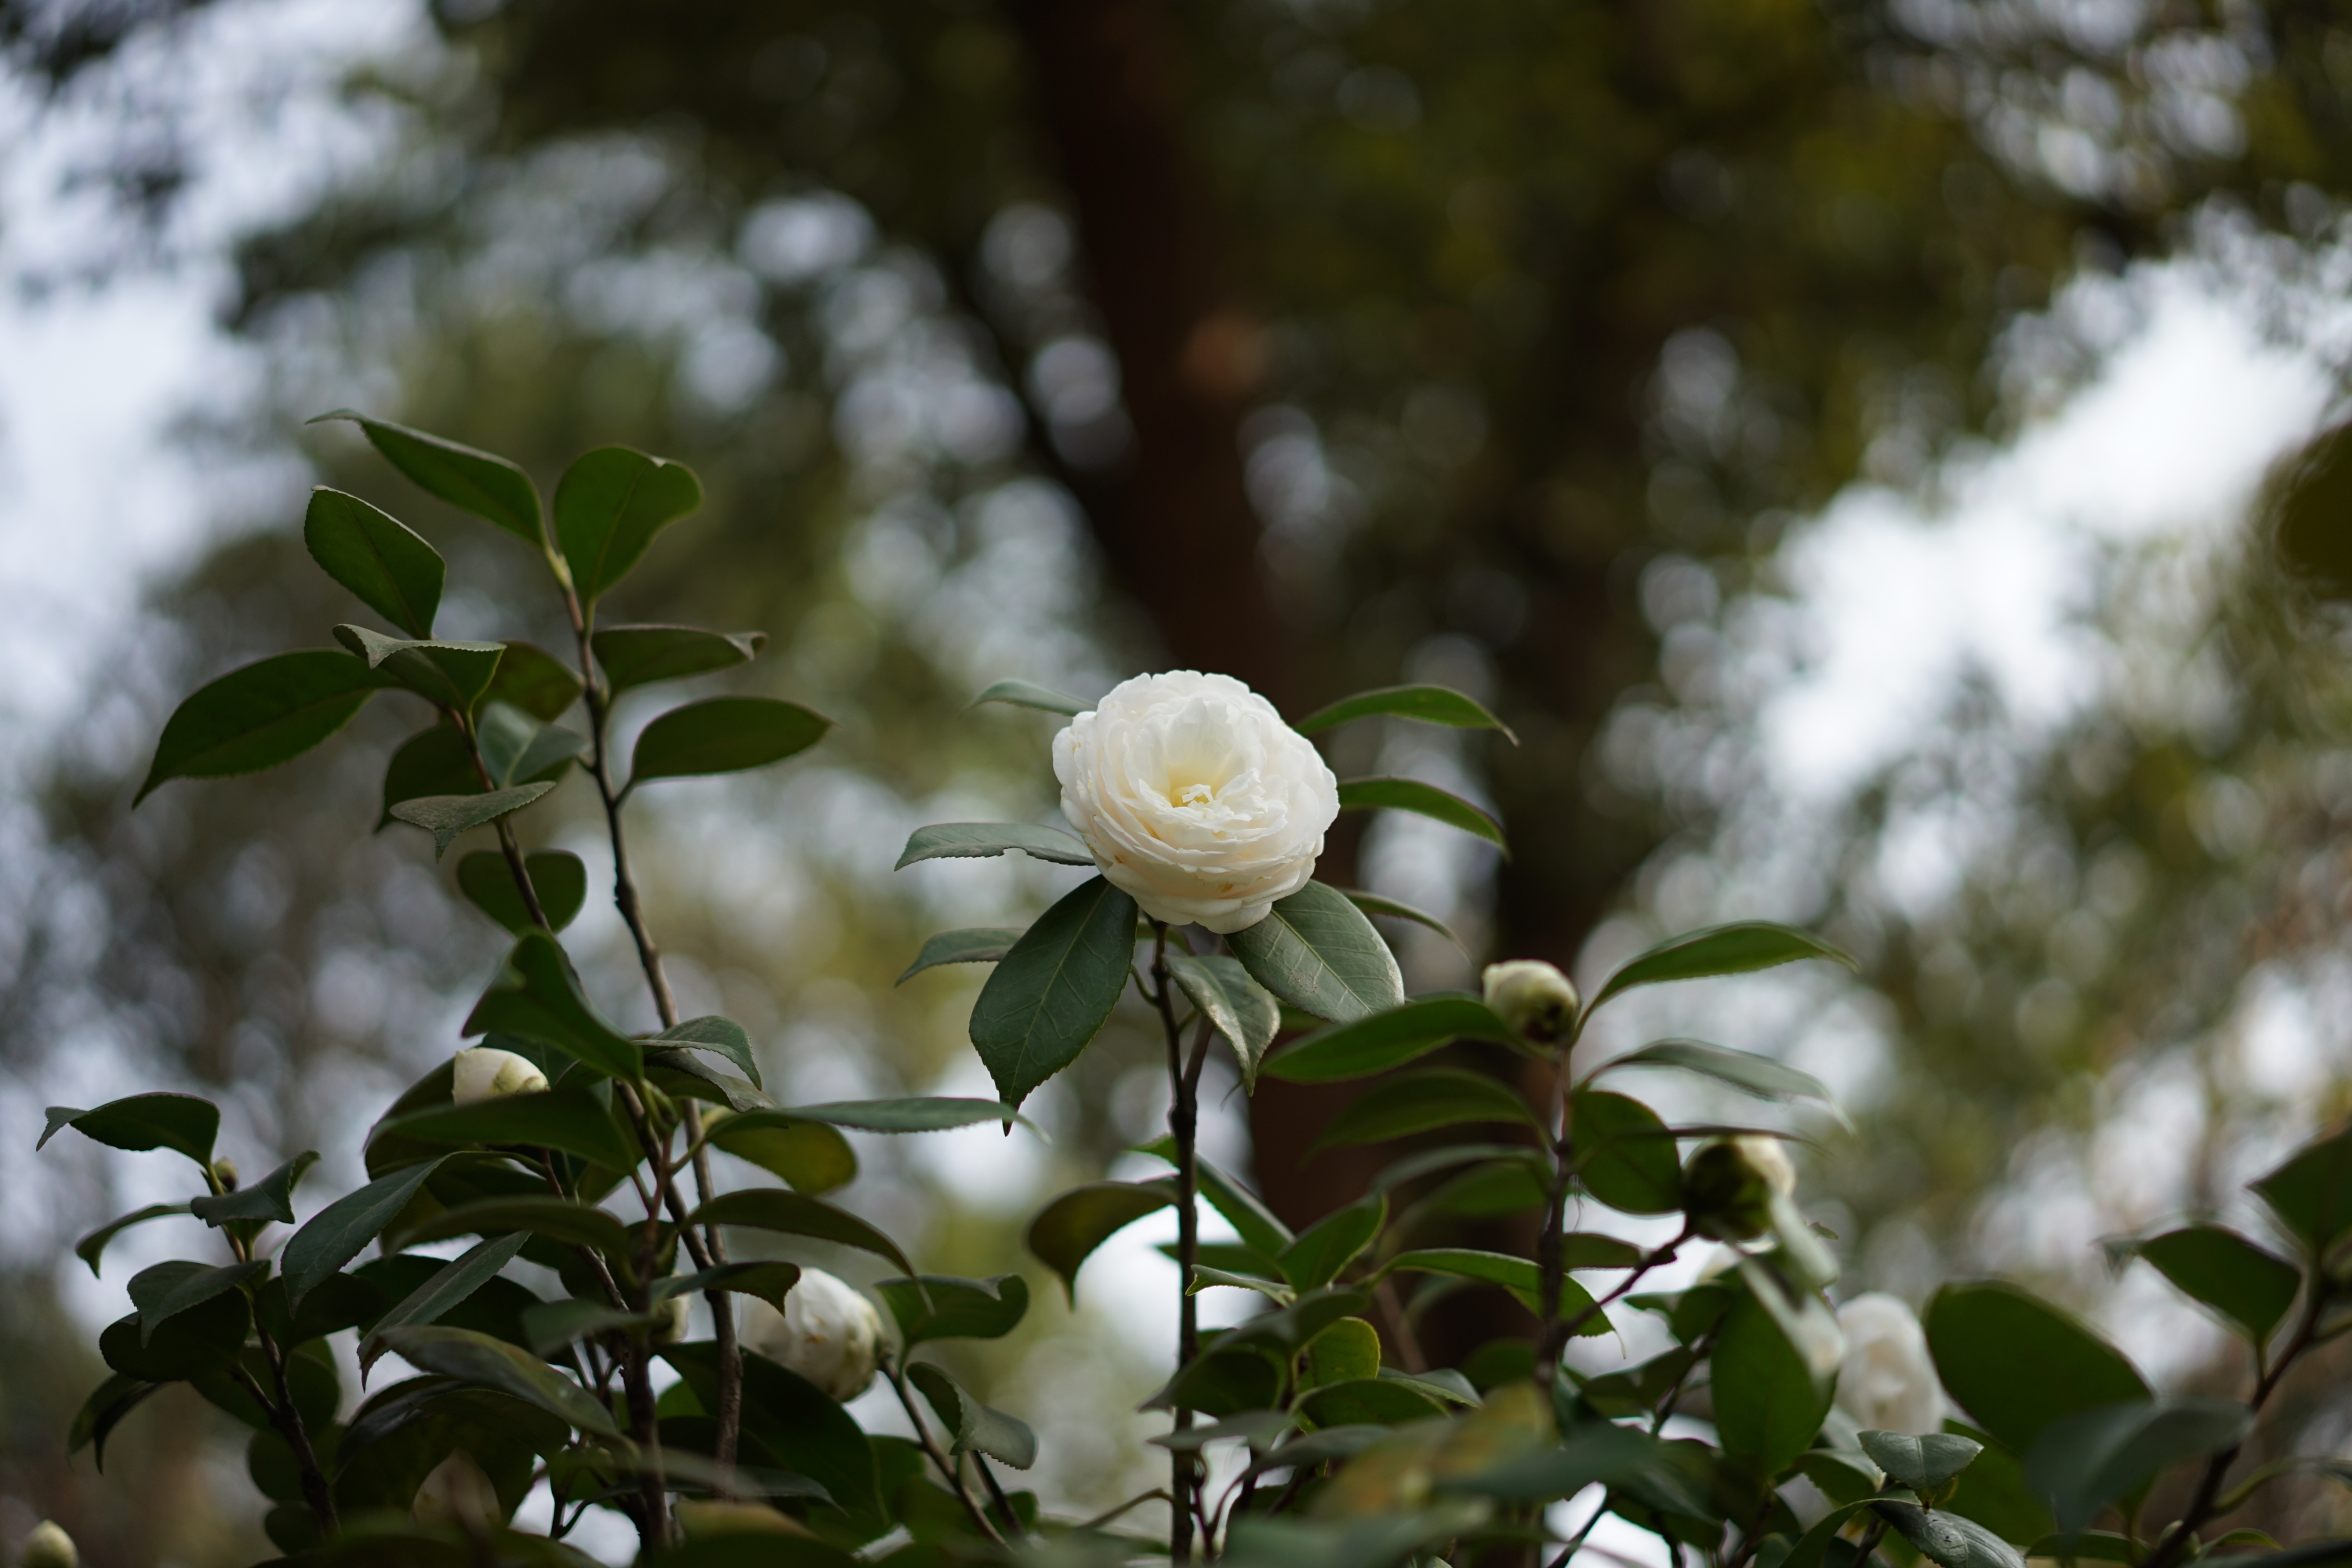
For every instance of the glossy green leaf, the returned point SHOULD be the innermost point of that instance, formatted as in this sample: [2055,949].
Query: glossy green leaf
[335,1235]
[1291,1329]
[771,1282]
[167,1289]
[956,1309]
[531,679]
[489,486]
[448,1286]
[341,1301]
[609,505]
[390,569]
[1347,1352]
[537,995]
[1380,904]
[1317,951]
[2016,1363]
[1419,1101]
[103,1411]
[1517,1274]
[518,748]
[557,876]
[185,1123]
[1947,1540]
[1333,1242]
[1625,1156]
[447,815]
[1743,1070]
[1028,694]
[2312,1193]
[571,1117]
[913,1113]
[1429,704]
[806,1432]
[270,1198]
[258,717]
[717,1036]
[1246,1210]
[1235,1005]
[472,1357]
[1583,1249]
[1386,1039]
[1768,1405]
[974,1427]
[2249,1287]
[90,1248]
[639,656]
[563,1220]
[204,1339]
[1925,1462]
[796,1213]
[962,839]
[723,735]
[1422,799]
[1738,948]
[1066,1232]
[809,1156]
[448,674]
[1054,988]
[2082,1462]
[435,762]
[976,944]
[552,1325]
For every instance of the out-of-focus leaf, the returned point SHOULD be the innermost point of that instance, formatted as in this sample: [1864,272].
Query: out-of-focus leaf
[1066,1231]
[1390,1038]
[1333,1242]
[1028,694]
[1624,1155]
[2016,1363]
[1743,1070]
[1429,704]
[268,713]
[166,1290]
[557,876]
[809,1156]
[2082,1462]
[93,1247]
[563,1220]
[956,1309]
[1768,1405]
[1738,948]
[977,944]
[2312,1193]
[1424,800]
[1380,904]
[2245,1284]
[960,839]
[1419,1101]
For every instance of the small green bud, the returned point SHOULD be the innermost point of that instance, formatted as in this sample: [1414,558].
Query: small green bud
[225,1172]
[1729,1186]
[1533,997]
[49,1547]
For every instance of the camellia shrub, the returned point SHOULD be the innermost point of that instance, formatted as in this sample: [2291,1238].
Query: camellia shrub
[1777,1430]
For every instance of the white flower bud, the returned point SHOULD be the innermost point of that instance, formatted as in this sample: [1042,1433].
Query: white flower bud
[485,1072]
[827,1332]
[48,1546]
[1730,1186]
[1887,1381]
[457,1492]
[1533,997]
[671,1314]
[1196,798]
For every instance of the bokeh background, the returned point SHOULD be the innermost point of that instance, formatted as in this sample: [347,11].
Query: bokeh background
[1865,450]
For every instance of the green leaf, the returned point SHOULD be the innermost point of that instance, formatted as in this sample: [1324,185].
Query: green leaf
[1622,1459]
[1235,1005]
[258,717]
[1584,1249]
[609,505]
[1386,1039]
[517,748]
[447,816]
[1066,1232]
[1947,1540]
[1429,704]
[454,1281]
[270,1198]
[1925,1463]
[185,1123]
[572,1117]
[538,996]
[1376,1402]
[167,1289]
[976,944]
[1028,694]
[1333,1242]
[1256,1224]
[2083,1461]
[563,1220]
[1054,988]
[1290,1330]
[2016,1363]
[336,1234]
[103,1411]
[489,486]
[1317,951]
[2249,1286]
[1993,1492]
[771,1282]
[1768,1406]
[1517,1275]
[557,876]
[958,839]
[639,656]
[202,1339]
[957,1309]
[1739,948]
[1418,1101]
[1425,800]
[795,1214]
[534,680]
[389,568]
[1743,1070]
[1377,904]
[446,674]
[1347,1352]
[805,1431]
[723,735]
[472,1357]
[809,1156]
[913,1113]
[93,1247]
[432,762]
[720,1037]
[1625,1156]
[977,1428]
[552,1325]
[2312,1193]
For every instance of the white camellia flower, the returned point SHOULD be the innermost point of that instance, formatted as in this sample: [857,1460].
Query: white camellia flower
[1887,1380]
[827,1332]
[485,1072]
[1195,797]
[1531,997]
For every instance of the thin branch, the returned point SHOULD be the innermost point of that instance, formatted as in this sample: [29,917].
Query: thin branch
[954,1477]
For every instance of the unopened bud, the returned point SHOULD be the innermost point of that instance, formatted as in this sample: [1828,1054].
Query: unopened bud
[827,1332]
[49,1547]
[669,1326]
[1730,1186]
[1533,997]
[485,1072]
[457,1492]
[225,1172]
